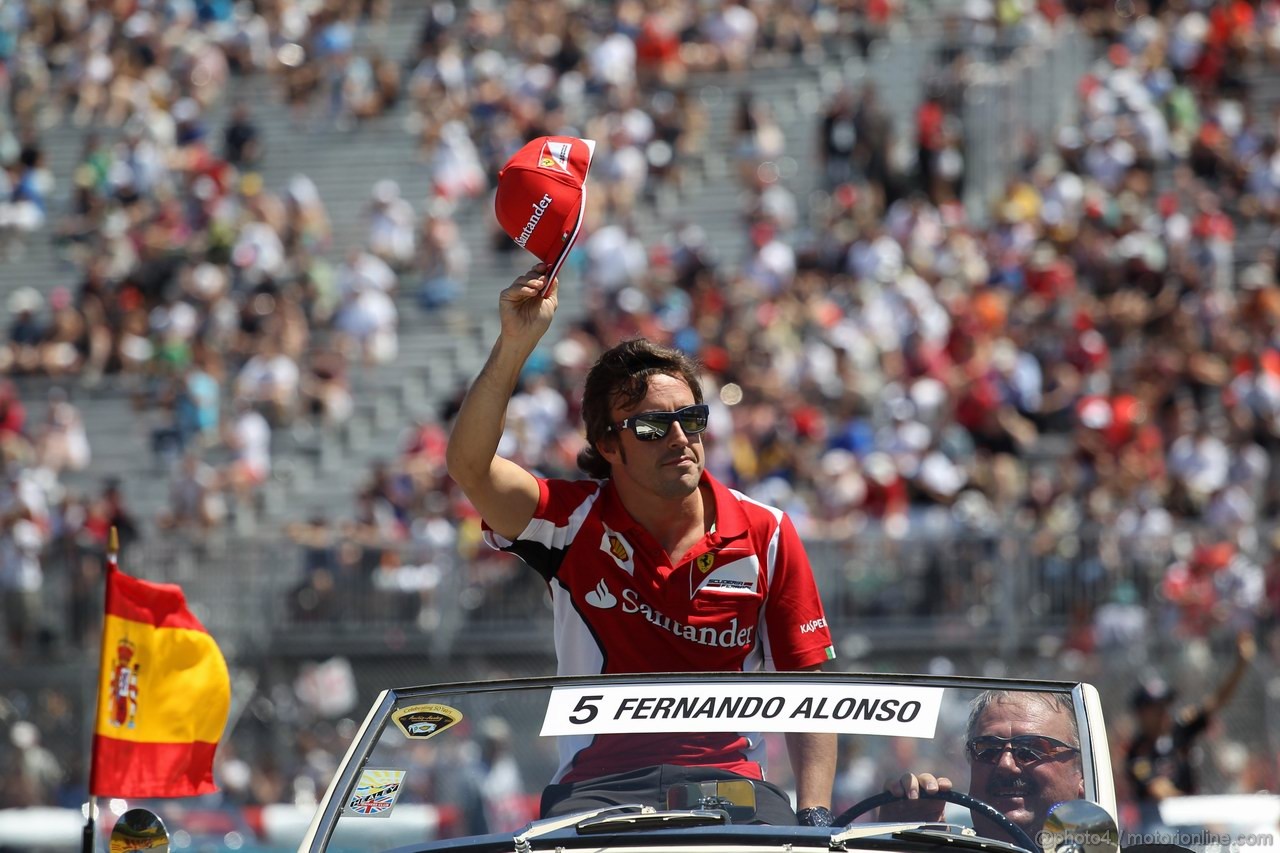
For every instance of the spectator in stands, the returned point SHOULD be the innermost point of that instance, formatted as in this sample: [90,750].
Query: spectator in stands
[194,500]
[363,269]
[242,140]
[270,380]
[307,225]
[839,138]
[442,260]
[63,345]
[25,199]
[37,772]
[26,332]
[759,138]
[422,456]
[731,33]
[248,435]
[325,388]
[489,782]
[62,444]
[113,512]
[390,495]
[198,402]
[22,541]
[456,173]
[391,225]
[1158,760]
[367,317]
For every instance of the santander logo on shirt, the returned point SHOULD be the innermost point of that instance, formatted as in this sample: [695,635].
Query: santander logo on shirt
[728,636]
[601,597]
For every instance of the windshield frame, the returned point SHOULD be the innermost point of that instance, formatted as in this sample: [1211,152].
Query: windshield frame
[1095,758]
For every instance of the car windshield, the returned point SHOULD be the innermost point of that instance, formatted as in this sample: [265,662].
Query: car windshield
[439,765]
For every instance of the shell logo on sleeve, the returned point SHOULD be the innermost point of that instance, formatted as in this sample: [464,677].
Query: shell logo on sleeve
[620,550]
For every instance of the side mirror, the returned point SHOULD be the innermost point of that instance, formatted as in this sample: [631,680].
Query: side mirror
[735,797]
[139,829]
[1079,826]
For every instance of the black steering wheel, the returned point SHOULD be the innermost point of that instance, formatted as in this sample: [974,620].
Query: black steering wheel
[1017,833]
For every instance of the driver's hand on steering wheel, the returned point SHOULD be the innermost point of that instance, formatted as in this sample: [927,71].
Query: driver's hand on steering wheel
[911,807]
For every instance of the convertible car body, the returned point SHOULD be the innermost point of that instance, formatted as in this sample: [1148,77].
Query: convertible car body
[463,766]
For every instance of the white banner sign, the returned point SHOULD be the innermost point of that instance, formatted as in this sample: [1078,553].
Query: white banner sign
[874,709]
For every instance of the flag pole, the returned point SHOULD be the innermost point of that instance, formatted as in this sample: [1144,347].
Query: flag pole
[88,840]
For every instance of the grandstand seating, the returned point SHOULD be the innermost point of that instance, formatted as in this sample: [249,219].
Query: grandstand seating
[319,469]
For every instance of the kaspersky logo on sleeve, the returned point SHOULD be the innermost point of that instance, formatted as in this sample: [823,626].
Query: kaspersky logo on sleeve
[724,636]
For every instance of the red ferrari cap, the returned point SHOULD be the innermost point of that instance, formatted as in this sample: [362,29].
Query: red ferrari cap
[542,194]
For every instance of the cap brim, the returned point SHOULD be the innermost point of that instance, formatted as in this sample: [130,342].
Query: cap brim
[577,225]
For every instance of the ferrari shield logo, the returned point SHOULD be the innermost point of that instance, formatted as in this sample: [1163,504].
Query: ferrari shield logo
[420,722]
[705,562]
[124,686]
[555,155]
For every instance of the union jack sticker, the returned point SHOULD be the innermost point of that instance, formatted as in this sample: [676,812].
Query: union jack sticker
[376,792]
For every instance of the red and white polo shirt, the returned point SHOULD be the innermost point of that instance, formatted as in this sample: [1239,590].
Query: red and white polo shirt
[743,598]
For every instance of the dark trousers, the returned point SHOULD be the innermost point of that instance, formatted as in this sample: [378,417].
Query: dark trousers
[648,786]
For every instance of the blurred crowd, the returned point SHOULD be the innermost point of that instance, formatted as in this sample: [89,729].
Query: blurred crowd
[220,304]
[1097,361]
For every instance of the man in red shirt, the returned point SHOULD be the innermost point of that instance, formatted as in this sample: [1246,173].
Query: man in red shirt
[653,565]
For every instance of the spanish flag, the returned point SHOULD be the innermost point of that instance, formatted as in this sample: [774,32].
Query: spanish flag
[163,694]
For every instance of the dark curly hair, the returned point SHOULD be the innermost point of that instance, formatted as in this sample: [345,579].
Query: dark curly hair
[621,377]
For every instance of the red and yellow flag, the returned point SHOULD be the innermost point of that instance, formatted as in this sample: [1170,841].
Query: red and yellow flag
[163,695]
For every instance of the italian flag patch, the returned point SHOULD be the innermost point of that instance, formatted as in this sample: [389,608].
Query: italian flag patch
[830,652]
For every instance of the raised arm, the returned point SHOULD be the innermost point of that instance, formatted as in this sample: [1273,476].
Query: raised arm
[505,494]
[1246,648]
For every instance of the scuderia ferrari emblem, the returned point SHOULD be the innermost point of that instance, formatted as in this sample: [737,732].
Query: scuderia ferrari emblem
[423,721]
[705,562]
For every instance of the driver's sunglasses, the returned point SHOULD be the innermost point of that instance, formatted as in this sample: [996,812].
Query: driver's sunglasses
[651,426]
[1027,749]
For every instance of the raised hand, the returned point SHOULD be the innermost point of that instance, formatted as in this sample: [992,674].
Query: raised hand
[525,310]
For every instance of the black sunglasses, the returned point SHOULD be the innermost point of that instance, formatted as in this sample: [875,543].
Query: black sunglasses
[1027,749]
[651,426]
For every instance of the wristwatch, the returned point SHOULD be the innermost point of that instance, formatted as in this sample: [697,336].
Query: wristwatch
[815,816]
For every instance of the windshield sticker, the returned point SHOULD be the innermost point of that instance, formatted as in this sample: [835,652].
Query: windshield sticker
[376,792]
[872,709]
[423,721]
